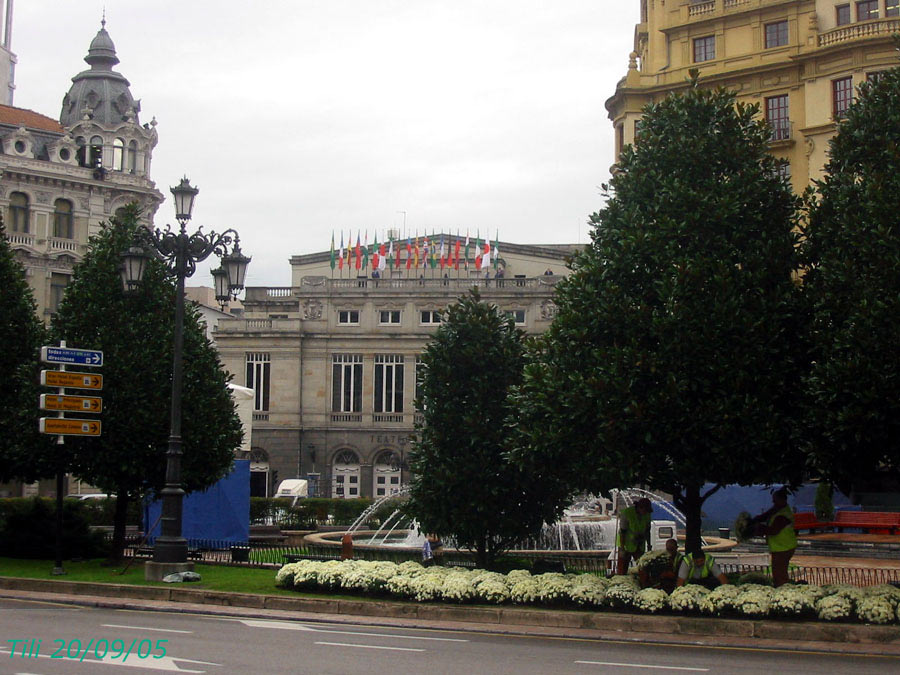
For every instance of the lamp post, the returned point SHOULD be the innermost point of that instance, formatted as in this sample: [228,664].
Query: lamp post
[181,252]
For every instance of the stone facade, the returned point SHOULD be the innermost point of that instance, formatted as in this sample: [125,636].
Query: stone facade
[60,180]
[800,60]
[332,360]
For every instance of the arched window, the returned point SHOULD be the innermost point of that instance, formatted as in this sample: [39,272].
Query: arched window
[119,154]
[132,156]
[95,160]
[345,475]
[80,153]
[386,475]
[18,217]
[63,222]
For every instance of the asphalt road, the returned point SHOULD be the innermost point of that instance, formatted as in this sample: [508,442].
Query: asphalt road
[50,638]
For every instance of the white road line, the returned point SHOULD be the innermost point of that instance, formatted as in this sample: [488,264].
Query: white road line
[159,630]
[290,625]
[347,644]
[642,665]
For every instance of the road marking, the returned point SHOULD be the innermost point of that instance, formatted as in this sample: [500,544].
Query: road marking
[290,625]
[642,665]
[348,644]
[160,630]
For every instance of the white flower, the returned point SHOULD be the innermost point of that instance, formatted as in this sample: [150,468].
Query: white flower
[875,610]
[754,602]
[588,590]
[794,601]
[518,575]
[720,601]
[427,586]
[651,600]
[834,608]
[620,596]
[492,590]
[284,578]
[307,574]
[525,590]
[625,579]
[885,591]
[458,587]
[687,598]
[553,587]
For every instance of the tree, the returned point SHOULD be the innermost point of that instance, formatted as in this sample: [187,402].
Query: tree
[464,485]
[135,333]
[675,357]
[852,283]
[24,453]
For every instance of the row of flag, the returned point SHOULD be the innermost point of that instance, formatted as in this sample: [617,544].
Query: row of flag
[447,253]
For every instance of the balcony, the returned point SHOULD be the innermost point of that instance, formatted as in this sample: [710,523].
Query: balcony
[860,31]
[20,238]
[60,244]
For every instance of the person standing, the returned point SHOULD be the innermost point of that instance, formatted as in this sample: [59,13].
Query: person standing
[780,535]
[634,533]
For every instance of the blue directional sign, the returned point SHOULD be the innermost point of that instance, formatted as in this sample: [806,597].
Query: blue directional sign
[80,357]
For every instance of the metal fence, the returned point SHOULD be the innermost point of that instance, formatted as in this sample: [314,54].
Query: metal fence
[820,576]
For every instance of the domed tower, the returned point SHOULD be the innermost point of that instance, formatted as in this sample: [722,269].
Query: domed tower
[101,116]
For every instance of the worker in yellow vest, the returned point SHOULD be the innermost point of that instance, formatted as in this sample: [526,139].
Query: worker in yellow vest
[777,524]
[701,568]
[634,533]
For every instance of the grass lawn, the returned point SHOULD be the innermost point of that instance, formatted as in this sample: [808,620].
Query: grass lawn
[213,577]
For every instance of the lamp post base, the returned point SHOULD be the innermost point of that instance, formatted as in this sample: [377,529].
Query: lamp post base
[155,571]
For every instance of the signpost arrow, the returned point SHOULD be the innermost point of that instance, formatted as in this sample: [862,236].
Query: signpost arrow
[60,378]
[89,404]
[78,357]
[69,427]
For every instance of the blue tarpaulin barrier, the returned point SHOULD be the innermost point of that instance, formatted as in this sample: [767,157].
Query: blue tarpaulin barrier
[220,513]
[723,508]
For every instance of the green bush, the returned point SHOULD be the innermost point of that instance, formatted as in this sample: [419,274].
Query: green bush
[824,501]
[28,530]
[307,514]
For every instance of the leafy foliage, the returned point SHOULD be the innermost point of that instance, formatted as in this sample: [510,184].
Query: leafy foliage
[26,530]
[675,357]
[464,485]
[852,250]
[135,332]
[24,453]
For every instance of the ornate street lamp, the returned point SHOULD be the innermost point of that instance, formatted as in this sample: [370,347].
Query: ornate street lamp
[220,283]
[181,252]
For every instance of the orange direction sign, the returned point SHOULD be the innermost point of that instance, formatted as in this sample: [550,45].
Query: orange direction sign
[65,378]
[90,404]
[69,427]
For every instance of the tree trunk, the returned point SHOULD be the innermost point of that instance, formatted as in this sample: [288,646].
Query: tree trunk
[481,554]
[691,504]
[120,521]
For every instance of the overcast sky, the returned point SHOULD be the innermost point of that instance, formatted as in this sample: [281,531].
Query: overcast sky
[296,118]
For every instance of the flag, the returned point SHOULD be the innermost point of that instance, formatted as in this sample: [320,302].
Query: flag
[467,249]
[349,248]
[391,253]
[425,252]
[381,261]
[417,251]
[443,251]
[341,258]
[332,250]
[432,261]
[365,263]
[357,252]
[456,254]
[478,251]
[376,252]
[486,257]
[496,251]
[408,252]
[398,254]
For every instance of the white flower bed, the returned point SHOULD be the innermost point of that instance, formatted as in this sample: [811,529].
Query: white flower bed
[410,580]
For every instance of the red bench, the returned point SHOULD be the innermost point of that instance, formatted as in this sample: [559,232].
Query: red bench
[808,521]
[870,522]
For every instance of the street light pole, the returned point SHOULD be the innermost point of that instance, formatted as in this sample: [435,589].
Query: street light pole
[181,252]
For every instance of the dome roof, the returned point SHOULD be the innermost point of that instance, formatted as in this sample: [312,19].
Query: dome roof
[100,93]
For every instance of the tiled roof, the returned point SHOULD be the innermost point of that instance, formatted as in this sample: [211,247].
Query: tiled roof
[29,119]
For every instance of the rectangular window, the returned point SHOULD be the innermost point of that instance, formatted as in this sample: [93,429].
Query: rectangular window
[704,48]
[842,14]
[517,315]
[867,9]
[258,374]
[841,96]
[346,383]
[873,77]
[389,317]
[430,316]
[348,316]
[776,34]
[892,7]
[388,383]
[778,118]
[783,169]
[58,283]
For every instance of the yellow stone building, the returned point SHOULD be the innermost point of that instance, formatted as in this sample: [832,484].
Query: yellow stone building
[800,60]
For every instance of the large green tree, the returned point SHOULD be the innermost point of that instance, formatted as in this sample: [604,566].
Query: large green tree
[675,357]
[852,250]
[135,332]
[464,483]
[24,454]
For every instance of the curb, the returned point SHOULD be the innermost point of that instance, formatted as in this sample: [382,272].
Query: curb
[654,627]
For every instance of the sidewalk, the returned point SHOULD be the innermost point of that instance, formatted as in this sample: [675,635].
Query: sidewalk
[795,635]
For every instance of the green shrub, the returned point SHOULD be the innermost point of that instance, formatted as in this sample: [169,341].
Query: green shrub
[307,514]
[824,501]
[28,530]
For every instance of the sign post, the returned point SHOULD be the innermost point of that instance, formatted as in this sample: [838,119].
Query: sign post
[60,425]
